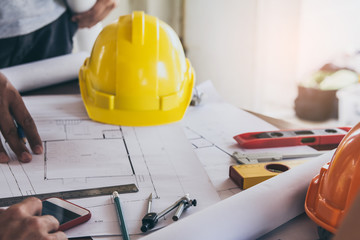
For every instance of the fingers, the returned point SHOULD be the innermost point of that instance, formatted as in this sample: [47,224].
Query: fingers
[59,236]
[33,207]
[29,207]
[4,158]
[48,223]
[97,13]
[13,108]
[24,119]
[45,225]
[10,133]
[7,125]
[22,221]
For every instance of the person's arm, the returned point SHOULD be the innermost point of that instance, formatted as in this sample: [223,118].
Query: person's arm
[22,221]
[12,108]
[97,13]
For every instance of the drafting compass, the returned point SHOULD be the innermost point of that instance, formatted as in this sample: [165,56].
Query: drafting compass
[151,218]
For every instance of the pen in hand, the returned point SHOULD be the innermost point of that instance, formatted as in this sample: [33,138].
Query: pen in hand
[21,133]
[120,216]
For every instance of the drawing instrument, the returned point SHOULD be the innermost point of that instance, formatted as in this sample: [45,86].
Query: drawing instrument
[120,215]
[151,218]
[149,203]
[81,193]
[20,132]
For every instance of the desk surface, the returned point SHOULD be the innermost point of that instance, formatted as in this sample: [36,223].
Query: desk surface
[72,87]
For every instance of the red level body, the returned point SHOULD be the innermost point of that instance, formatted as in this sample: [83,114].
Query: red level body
[285,138]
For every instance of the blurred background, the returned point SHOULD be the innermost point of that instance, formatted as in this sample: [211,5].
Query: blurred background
[257,52]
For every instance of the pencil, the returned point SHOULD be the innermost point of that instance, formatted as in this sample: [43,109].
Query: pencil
[120,216]
[21,133]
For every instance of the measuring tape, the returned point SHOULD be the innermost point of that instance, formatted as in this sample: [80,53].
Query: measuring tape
[81,193]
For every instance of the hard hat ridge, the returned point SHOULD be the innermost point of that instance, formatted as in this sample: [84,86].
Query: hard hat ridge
[137,74]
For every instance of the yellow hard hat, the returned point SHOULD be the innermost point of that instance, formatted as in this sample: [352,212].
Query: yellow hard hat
[137,74]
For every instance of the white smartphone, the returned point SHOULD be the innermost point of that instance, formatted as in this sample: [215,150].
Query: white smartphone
[67,213]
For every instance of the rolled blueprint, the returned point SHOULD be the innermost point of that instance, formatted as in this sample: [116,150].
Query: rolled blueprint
[46,72]
[85,37]
[251,213]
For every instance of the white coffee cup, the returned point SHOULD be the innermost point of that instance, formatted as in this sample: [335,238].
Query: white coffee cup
[79,6]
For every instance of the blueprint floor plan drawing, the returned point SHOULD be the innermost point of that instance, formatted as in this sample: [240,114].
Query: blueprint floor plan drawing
[80,153]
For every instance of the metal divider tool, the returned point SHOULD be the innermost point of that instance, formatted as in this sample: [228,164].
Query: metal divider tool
[151,218]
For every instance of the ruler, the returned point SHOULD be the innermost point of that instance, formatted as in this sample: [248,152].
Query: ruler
[81,193]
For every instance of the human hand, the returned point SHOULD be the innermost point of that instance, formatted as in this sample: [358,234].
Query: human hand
[97,13]
[13,108]
[22,221]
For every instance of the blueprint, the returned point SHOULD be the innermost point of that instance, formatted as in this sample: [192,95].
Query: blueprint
[162,160]
[210,128]
[80,153]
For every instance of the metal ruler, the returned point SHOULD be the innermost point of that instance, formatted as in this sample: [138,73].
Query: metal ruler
[81,193]
[250,158]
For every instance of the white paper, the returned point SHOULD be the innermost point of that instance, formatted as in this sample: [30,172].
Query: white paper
[251,213]
[169,161]
[80,153]
[46,72]
[211,126]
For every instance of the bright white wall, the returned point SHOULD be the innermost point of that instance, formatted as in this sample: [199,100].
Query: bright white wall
[255,51]
[276,54]
[246,47]
[328,29]
[220,39]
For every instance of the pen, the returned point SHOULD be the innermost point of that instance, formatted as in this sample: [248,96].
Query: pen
[20,132]
[120,216]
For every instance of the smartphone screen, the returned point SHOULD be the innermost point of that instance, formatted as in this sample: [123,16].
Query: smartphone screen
[61,214]
[67,213]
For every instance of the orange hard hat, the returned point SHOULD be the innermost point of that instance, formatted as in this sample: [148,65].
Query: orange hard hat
[332,192]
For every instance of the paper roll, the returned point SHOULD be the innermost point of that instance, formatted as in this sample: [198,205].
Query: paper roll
[84,37]
[251,213]
[44,73]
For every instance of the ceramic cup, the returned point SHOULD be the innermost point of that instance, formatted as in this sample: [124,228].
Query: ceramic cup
[79,6]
